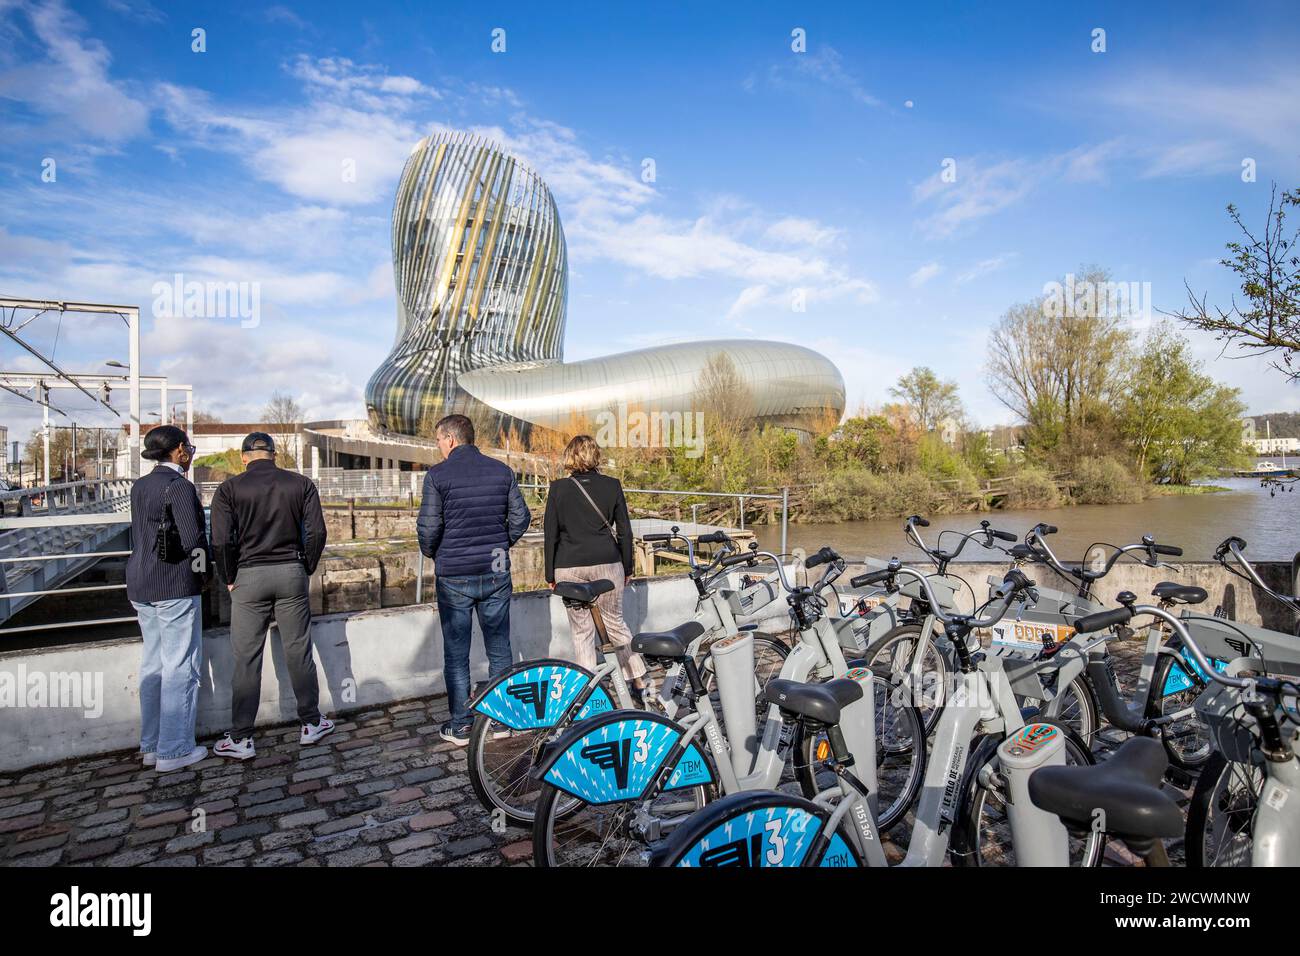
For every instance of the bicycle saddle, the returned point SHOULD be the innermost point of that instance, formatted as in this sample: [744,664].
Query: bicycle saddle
[1126,788]
[1179,593]
[819,702]
[583,592]
[670,645]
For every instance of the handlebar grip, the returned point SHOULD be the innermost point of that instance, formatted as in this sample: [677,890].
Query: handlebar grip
[1003,535]
[715,537]
[871,577]
[918,520]
[1047,529]
[1171,550]
[1103,619]
[739,559]
[824,556]
[657,536]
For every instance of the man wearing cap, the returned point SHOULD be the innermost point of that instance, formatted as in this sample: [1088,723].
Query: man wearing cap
[268,533]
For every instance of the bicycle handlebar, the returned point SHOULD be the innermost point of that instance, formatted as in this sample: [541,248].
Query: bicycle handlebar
[1121,615]
[1013,584]
[1034,540]
[823,556]
[941,557]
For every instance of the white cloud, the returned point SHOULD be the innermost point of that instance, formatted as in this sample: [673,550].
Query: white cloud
[802,232]
[984,267]
[71,85]
[823,65]
[924,274]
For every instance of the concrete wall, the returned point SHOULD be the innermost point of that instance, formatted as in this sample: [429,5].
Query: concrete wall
[363,659]
[1243,601]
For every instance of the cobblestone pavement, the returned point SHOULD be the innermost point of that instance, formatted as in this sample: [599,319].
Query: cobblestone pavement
[382,790]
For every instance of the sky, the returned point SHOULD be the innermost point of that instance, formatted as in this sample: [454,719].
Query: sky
[907,175]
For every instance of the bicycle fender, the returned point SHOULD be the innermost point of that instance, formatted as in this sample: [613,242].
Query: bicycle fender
[616,757]
[756,829]
[538,694]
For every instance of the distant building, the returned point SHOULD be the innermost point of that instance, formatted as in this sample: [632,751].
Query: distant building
[214,438]
[1275,446]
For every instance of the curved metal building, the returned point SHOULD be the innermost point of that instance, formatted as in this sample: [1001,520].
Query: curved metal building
[774,382]
[482,280]
[481,274]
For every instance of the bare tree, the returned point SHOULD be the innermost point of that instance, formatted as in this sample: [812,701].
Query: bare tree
[1053,361]
[725,399]
[1268,267]
[283,418]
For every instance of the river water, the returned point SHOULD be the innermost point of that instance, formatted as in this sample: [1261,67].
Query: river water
[1195,523]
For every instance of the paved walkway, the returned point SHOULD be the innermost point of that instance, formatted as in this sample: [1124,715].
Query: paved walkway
[382,790]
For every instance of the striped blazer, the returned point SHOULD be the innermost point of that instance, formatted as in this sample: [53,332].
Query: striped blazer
[147,578]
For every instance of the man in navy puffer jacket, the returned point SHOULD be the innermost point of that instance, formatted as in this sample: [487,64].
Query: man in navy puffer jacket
[471,513]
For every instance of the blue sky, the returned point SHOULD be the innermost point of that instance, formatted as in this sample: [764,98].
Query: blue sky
[775,171]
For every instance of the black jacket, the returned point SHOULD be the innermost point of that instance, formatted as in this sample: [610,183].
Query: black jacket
[147,578]
[575,535]
[267,515]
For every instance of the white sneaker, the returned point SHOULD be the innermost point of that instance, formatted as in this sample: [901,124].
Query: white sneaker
[150,758]
[314,732]
[176,763]
[228,746]
[499,731]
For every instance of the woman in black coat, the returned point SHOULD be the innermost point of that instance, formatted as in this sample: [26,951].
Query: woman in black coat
[164,578]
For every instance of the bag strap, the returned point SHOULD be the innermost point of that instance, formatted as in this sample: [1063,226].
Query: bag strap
[596,508]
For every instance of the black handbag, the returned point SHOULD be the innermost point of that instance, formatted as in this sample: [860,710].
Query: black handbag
[167,544]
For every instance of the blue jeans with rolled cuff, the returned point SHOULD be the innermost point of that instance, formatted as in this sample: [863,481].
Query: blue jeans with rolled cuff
[460,599]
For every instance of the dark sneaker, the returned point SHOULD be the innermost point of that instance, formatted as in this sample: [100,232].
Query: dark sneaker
[457,735]
[498,730]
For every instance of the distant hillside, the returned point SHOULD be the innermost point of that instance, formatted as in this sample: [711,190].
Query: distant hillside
[1282,425]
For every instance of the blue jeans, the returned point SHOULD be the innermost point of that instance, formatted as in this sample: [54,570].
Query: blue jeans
[459,599]
[169,675]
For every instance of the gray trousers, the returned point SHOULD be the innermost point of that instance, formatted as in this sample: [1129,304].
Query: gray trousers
[261,593]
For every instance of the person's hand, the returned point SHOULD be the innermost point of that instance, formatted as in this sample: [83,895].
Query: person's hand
[551,585]
[230,587]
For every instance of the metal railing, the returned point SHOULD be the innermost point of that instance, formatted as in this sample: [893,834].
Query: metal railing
[43,593]
[783,497]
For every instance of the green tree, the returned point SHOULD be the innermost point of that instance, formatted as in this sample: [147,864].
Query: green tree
[929,399]
[1179,424]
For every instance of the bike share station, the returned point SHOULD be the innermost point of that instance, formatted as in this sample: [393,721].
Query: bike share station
[907,721]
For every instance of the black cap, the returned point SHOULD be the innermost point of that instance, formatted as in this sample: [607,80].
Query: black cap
[258,441]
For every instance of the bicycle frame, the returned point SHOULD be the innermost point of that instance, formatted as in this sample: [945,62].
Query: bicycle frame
[1275,831]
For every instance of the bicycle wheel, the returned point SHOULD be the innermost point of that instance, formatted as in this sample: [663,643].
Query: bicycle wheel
[500,769]
[1221,816]
[900,756]
[763,828]
[1078,709]
[607,834]
[892,655]
[983,834]
[1187,739]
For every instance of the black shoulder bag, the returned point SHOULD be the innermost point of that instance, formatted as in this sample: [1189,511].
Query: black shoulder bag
[167,544]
